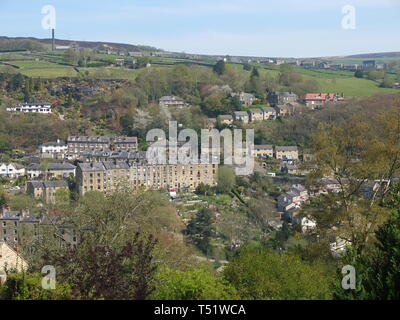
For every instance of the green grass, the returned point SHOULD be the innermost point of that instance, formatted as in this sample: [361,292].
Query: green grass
[111,73]
[338,81]
[349,86]
[14,56]
[49,73]
[34,64]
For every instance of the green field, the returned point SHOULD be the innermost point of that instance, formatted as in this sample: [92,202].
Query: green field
[111,73]
[338,81]
[49,65]
[49,73]
[32,64]
[351,86]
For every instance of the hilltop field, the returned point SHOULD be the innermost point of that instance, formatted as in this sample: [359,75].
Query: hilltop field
[50,65]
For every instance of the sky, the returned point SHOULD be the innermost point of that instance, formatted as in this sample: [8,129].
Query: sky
[268,28]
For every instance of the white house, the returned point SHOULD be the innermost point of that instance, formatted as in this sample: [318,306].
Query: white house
[339,247]
[306,223]
[56,149]
[11,170]
[44,108]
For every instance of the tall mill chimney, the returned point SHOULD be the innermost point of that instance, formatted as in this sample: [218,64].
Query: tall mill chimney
[52,40]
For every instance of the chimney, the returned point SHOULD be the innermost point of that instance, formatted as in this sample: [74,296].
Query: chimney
[24,213]
[4,209]
[52,40]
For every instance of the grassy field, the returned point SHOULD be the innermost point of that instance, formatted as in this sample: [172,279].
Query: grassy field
[50,66]
[49,72]
[32,64]
[111,73]
[338,81]
[350,86]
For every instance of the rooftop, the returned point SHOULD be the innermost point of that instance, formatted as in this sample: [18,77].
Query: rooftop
[286,148]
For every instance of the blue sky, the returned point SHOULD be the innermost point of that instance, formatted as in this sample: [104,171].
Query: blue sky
[286,28]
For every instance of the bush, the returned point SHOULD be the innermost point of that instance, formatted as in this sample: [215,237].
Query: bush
[263,274]
[196,284]
[21,286]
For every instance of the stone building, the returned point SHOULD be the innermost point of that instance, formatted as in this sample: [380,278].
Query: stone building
[281,98]
[263,151]
[256,114]
[10,259]
[107,176]
[77,145]
[15,226]
[45,190]
[50,170]
[287,153]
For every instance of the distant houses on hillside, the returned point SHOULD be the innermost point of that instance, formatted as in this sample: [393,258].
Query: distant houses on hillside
[246,99]
[44,108]
[172,101]
[317,100]
[366,64]
[276,98]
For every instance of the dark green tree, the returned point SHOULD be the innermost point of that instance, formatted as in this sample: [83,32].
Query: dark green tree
[377,270]
[200,230]
[220,67]
[359,74]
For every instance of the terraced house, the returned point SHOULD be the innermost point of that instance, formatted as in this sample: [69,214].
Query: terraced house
[77,145]
[264,151]
[15,226]
[43,108]
[45,190]
[107,176]
[256,115]
[287,153]
[50,170]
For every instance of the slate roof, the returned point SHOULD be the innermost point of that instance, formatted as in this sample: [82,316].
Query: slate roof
[52,166]
[288,148]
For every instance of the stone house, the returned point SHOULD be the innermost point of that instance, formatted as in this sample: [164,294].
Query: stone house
[263,151]
[10,259]
[226,119]
[45,190]
[281,98]
[106,176]
[241,116]
[50,170]
[77,145]
[287,153]
[255,115]
[269,113]
[246,99]
[15,226]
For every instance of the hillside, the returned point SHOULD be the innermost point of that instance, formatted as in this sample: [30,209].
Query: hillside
[376,55]
[23,41]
